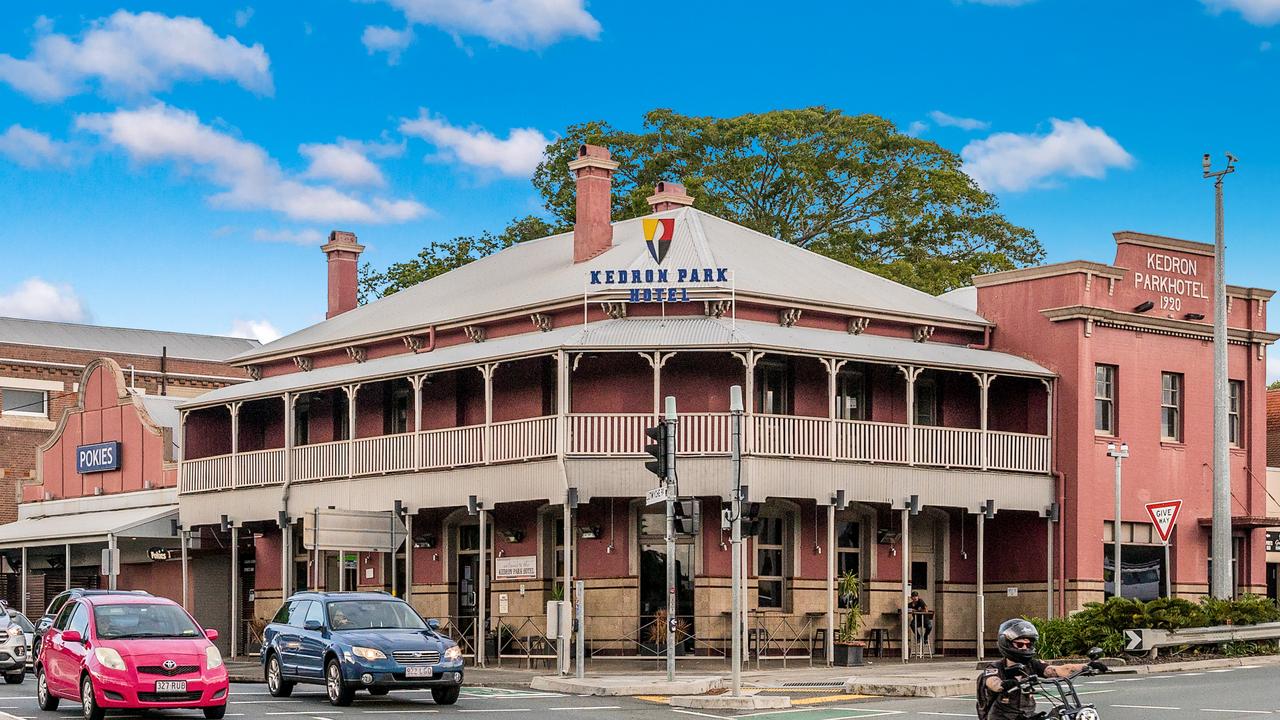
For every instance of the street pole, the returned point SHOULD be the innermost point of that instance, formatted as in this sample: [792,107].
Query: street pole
[1220,582]
[579,589]
[671,537]
[735,499]
[1119,453]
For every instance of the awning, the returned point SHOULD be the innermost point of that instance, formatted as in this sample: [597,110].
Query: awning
[88,527]
[1245,522]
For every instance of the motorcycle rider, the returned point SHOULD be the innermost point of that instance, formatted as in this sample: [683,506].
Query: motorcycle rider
[1000,696]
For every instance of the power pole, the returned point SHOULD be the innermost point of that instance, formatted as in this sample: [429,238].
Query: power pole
[672,492]
[1119,452]
[735,521]
[1220,547]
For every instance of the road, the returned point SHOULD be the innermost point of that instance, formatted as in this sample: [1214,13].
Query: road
[1247,692]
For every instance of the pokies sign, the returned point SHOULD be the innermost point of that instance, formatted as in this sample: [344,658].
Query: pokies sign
[98,457]
[658,283]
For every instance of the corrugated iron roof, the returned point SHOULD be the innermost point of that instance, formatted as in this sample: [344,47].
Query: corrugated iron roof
[540,272]
[126,341]
[641,334]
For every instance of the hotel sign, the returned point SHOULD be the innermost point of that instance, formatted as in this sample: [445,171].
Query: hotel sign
[98,457]
[515,568]
[658,284]
[1173,278]
[1273,541]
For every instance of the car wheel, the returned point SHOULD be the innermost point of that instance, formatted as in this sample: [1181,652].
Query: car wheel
[340,694]
[215,713]
[15,678]
[379,690]
[89,702]
[276,684]
[46,700]
[445,695]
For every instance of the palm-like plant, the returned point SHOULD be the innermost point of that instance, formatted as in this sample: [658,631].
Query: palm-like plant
[847,588]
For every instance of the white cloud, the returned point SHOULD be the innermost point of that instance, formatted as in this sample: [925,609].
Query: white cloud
[1012,161]
[379,38]
[525,24]
[243,16]
[308,236]
[1257,12]
[32,149]
[345,162]
[516,156]
[917,128]
[261,330]
[36,299]
[964,123]
[134,55]
[252,179]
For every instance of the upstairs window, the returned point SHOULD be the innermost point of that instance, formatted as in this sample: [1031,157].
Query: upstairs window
[926,402]
[1171,406]
[25,403]
[851,396]
[1235,430]
[302,421]
[398,409]
[775,389]
[1104,399]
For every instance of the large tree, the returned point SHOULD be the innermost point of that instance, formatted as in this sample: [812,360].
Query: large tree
[851,187]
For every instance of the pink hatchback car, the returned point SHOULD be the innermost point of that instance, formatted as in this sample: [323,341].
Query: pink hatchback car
[130,652]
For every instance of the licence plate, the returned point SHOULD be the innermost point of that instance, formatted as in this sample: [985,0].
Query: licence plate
[171,686]
[418,671]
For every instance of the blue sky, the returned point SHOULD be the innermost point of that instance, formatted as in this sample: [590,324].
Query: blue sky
[176,165]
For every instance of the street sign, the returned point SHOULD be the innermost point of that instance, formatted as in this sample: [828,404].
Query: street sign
[1133,640]
[656,495]
[353,530]
[1163,516]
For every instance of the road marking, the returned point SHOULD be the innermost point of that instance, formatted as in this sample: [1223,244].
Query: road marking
[948,714]
[492,710]
[1251,712]
[590,707]
[828,699]
[398,712]
[261,702]
[1222,670]
[310,713]
[693,712]
[1146,707]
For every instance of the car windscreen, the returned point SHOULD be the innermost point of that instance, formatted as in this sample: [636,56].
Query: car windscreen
[136,620]
[22,621]
[373,615]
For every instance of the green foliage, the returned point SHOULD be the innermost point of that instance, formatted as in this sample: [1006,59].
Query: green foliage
[1102,624]
[1275,385]
[847,587]
[851,187]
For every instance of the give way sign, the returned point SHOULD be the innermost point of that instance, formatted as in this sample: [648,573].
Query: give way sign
[1163,516]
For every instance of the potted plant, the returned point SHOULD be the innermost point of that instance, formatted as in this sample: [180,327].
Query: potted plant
[848,644]
[655,635]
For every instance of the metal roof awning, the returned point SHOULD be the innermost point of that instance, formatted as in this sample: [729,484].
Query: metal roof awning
[87,527]
[641,334]
[1245,522]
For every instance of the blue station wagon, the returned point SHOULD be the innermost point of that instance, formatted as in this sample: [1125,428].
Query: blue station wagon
[352,640]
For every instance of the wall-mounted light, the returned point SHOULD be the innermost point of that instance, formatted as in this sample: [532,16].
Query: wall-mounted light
[1144,307]
[425,540]
[513,536]
[1193,316]
[590,533]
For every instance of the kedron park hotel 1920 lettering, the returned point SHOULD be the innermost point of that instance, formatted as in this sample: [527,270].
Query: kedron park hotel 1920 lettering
[1161,275]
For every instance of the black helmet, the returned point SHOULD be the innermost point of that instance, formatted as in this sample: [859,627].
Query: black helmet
[1016,629]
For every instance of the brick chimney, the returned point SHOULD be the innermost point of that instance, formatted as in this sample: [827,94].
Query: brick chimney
[669,196]
[592,231]
[344,255]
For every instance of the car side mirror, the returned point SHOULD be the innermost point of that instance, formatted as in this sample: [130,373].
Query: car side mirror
[434,624]
[313,625]
[211,634]
[1095,653]
[72,636]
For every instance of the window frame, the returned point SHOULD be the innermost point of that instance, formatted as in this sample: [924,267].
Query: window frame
[44,404]
[1175,389]
[1110,399]
[934,404]
[781,548]
[852,383]
[780,370]
[1235,417]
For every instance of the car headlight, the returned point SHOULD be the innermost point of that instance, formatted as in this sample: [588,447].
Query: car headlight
[368,653]
[15,633]
[212,658]
[453,653]
[109,658]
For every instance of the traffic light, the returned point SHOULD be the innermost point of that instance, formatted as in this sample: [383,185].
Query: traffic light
[688,517]
[658,449]
[750,519]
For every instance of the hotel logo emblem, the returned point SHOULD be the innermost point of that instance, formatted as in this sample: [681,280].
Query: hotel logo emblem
[658,233]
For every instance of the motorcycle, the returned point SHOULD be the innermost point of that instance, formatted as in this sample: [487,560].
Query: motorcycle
[1061,694]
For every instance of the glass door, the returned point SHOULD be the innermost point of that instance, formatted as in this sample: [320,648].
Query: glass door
[654,623]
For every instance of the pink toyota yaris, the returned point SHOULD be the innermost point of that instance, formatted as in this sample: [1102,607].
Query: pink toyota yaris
[130,652]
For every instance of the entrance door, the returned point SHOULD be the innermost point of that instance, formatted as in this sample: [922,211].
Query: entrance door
[653,586]
[1273,569]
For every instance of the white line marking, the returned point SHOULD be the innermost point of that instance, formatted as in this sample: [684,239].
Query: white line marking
[310,713]
[1147,707]
[397,712]
[947,714]
[590,707]
[499,710]
[1222,670]
[262,702]
[692,712]
[1251,712]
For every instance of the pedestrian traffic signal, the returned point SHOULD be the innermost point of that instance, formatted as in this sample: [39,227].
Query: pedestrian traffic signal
[658,449]
[688,517]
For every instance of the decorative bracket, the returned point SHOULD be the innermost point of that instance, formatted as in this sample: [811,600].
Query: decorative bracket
[922,333]
[255,371]
[303,362]
[716,308]
[615,310]
[858,325]
[541,322]
[357,353]
[910,372]
[474,332]
[1088,327]
[413,342]
[787,318]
